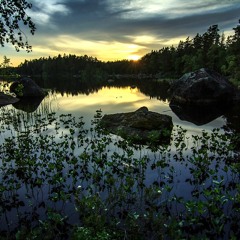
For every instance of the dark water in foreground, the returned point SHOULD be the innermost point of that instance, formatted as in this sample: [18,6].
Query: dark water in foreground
[170,171]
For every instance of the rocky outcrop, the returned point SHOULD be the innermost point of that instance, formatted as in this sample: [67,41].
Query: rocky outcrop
[26,87]
[202,87]
[141,126]
[6,99]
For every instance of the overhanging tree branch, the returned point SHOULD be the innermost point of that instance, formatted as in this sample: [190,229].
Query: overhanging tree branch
[12,15]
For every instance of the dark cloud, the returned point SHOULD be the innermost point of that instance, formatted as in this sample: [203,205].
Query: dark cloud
[97,20]
[124,21]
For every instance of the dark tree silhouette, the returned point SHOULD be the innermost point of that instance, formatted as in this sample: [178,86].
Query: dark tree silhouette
[12,15]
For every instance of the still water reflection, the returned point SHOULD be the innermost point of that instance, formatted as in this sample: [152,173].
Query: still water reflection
[179,173]
[116,99]
[120,99]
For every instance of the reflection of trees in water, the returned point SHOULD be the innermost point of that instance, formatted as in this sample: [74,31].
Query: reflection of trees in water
[155,89]
[150,88]
[73,86]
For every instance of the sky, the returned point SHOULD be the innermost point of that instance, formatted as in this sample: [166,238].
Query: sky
[113,30]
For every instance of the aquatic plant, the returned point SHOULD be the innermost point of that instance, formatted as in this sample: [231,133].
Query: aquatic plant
[61,180]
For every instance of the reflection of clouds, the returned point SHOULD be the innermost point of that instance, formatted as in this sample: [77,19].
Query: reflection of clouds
[104,95]
[120,98]
[109,100]
[117,100]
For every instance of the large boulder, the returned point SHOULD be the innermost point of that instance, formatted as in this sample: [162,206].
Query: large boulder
[6,99]
[202,87]
[26,87]
[141,126]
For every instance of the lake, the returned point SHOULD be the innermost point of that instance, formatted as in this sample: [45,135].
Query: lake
[83,99]
[184,172]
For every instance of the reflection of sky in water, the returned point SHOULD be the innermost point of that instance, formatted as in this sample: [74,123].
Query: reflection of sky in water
[126,99]
[109,100]
[114,100]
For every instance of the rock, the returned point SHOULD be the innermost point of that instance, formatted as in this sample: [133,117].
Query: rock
[26,87]
[28,104]
[7,99]
[141,126]
[202,87]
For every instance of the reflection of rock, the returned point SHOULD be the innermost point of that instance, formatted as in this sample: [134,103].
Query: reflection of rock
[198,115]
[233,118]
[202,87]
[28,104]
[7,99]
[141,126]
[26,87]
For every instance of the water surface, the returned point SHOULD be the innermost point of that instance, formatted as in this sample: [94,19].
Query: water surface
[80,101]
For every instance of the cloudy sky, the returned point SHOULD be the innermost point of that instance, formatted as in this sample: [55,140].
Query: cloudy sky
[120,29]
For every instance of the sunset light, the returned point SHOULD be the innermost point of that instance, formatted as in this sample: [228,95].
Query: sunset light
[119,119]
[134,57]
[113,31]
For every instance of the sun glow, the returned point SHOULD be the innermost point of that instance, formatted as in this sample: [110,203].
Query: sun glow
[134,57]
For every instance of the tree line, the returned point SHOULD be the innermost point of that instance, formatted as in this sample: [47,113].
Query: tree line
[211,50]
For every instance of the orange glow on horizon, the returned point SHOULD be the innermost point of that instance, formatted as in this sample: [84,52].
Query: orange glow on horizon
[134,57]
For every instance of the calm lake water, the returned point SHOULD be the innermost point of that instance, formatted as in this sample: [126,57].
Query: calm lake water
[81,100]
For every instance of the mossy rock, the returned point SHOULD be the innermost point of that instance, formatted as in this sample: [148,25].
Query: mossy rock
[141,126]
